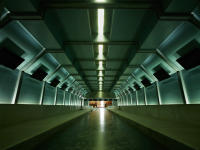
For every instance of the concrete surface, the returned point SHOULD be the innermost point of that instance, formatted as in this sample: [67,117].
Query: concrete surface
[178,122]
[19,123]
[100,130]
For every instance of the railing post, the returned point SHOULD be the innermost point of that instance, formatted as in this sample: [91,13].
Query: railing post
[145,95]
[158,93]
[17,87]
[42,92]
[183,87]
[136,95]
[64,95]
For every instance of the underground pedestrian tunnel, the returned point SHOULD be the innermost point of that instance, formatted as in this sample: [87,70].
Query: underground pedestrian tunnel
[99,74]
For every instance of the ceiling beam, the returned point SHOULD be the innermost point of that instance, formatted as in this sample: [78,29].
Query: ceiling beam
[96,69]
[67,65]
[133,66]
[40,16]
[98,43]
[91,60]
[25,16]
[92,5]
[55,51]
[130,55]
[141,51]
[131,5]
[107,69]
[175,16]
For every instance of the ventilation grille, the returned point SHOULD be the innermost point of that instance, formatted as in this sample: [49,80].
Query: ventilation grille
[160,73]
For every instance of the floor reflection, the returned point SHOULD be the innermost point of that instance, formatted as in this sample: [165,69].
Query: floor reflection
[100,130]
[100,135]
[102,118]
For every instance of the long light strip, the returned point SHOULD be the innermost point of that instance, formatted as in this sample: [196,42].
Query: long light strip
[100,21]
[100,1]
[100,47]
[100,52]
[100,73]
[100,65]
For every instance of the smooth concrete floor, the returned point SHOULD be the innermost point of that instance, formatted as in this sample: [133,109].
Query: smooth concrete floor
[100,130]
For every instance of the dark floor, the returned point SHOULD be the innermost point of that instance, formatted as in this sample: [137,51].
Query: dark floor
[100,130]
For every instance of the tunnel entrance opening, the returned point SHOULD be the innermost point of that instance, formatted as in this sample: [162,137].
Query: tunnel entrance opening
[100,104]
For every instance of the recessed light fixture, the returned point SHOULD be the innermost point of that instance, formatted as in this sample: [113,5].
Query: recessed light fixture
[100,78]
[100,21]
[100,88]
[100,1]
[100,37]
[100,73]
[100,52]
[100,65]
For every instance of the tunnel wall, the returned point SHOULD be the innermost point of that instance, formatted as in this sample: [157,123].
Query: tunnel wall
[28,90]
[183,78]
[21,123]
[169,91]
[178,122]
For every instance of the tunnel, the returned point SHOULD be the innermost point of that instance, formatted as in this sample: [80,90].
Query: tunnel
[99,74]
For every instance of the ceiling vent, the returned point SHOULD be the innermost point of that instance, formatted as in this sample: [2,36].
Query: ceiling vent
[10,54]
[136,86]
[160,73]
[190,55]
[55,82]
[64,86]
[145,82]
[40,73]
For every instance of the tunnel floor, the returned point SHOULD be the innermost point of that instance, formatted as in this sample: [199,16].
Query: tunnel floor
[100,130]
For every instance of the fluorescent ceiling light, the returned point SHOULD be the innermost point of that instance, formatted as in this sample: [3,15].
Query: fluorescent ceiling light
[100,78]
[100,65]
[100,21]
[100,73]
[100,83]
[100,49]
[100,52]
[100,1]
[101,89]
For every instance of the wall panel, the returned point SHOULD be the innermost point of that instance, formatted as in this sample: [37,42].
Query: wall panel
[152,96]
[8,80]
[170,91]
[192,81]
[49,95]
[30,91]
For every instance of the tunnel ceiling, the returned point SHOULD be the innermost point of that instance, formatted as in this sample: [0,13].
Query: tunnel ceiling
[71,32]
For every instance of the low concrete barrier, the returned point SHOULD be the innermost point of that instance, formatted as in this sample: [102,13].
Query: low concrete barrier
[181,123]
[20,123]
